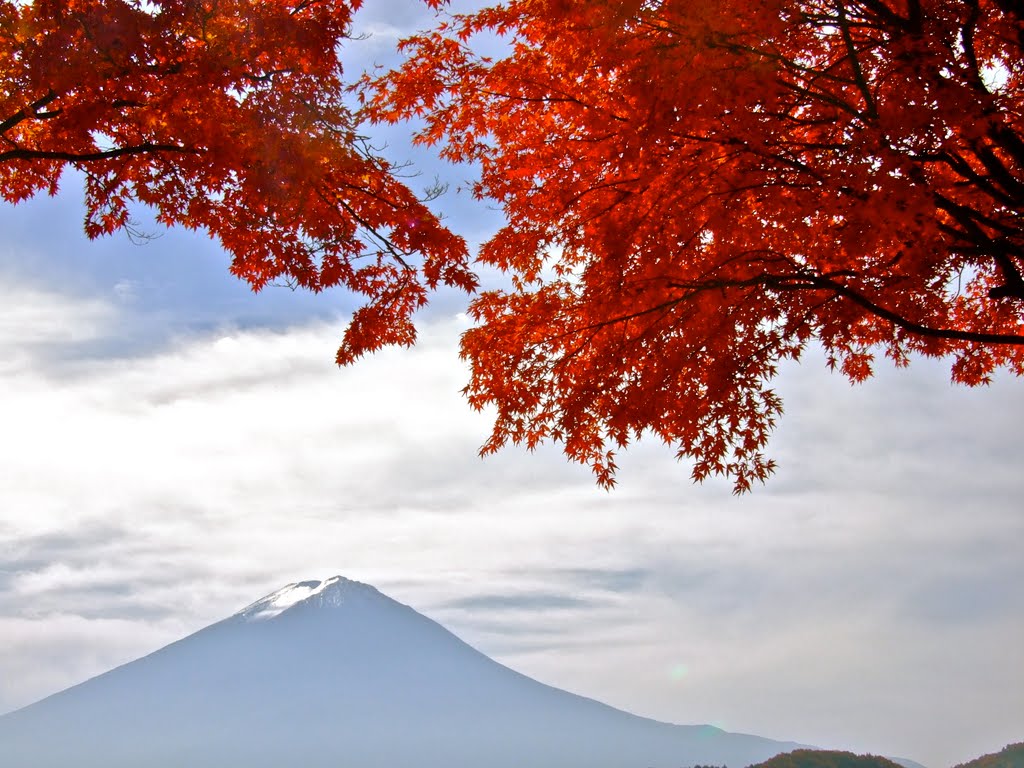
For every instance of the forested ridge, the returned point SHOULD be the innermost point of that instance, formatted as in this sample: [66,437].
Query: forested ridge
[1010,756]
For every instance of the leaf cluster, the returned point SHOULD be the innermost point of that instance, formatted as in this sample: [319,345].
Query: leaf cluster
[231,117]
[697,190]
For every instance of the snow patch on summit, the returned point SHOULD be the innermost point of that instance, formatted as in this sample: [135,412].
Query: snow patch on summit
[278,602]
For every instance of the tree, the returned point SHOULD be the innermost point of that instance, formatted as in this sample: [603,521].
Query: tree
[228,116]
[697,190]
[819,758]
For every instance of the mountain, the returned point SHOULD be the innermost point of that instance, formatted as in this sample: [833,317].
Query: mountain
[812,758]
[333,674]
[1010,756]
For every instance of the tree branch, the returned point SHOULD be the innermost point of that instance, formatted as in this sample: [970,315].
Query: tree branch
[30,112]
[824,283]
[84,157]
[858,72]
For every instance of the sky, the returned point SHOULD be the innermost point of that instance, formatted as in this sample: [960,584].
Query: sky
[175,446]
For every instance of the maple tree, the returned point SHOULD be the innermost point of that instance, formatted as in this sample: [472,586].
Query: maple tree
[697,190]
[229,116]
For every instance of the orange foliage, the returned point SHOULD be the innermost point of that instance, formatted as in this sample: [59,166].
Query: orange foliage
[227,116]
[697,189]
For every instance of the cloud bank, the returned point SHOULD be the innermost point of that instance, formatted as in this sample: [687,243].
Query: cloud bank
[869,597]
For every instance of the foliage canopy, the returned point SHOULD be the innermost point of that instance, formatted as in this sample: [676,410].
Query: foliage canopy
[227,116]
[695,190]
[698,189]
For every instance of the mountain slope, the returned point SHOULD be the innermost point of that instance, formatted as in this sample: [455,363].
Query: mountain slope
[812,758]
[333,674]
[1010,756]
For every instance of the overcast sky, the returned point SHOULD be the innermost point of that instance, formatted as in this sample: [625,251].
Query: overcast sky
[175,447]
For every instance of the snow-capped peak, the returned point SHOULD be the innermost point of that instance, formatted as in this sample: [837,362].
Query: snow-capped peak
[330,591]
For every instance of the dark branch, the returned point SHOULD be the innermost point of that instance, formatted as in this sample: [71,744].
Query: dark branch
[798,282]
[807,282]
[980,337]
[31,112]
[85,157]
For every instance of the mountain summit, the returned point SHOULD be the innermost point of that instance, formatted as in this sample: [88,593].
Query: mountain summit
[331,592]
[334,674]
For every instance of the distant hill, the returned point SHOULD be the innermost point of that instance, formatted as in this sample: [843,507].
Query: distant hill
[815,758]
[1011,756]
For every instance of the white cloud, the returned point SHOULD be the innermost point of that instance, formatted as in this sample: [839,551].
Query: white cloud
[35,323]
[147,494]
[126,290]
[155,477]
